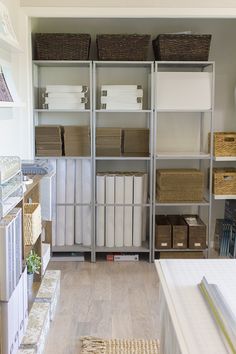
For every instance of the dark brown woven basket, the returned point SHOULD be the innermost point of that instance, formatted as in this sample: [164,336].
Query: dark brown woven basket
[182,47]
[62,46]
[123,47]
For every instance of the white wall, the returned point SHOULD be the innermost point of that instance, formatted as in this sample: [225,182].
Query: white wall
[15,124]
[132,3]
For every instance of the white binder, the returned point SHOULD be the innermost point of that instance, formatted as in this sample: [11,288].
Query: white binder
[137,212]
[100,211]
[144,209]
[119,210]
[86,198]
[110,211]
[78,199]
[128,212]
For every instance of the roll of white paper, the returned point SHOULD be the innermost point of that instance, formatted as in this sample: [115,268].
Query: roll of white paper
[61,181]
[86,181]
[119,211]
[110,211]
[61,226]
[86,224]
[100,212]
[78,180]
[137,212]
[78,225]
[70,217]
[128,212]
[70,181]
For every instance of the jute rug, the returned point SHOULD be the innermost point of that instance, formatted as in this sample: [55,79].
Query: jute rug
[91,345]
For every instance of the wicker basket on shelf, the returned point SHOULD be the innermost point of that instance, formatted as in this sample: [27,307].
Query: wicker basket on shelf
[224,181]
[182,47]
[124,47]
[62,46]
[224,144]
[32,222]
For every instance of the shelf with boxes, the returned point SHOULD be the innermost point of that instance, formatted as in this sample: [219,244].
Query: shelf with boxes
[184,97]
[123,122]
[63,103]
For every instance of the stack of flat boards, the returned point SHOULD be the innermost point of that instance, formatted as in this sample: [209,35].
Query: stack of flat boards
[48,140]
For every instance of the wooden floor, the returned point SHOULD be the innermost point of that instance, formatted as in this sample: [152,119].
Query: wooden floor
[113,300]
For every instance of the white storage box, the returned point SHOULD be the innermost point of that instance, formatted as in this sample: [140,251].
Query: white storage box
[46,195]
[38,326]
[46,255]
[184,90]
[9,167]
[49,290]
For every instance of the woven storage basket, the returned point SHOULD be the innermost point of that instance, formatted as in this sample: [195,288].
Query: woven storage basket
[177,179]
[196,232]
[123,46]
[182,47]
[224,144]
[163,232]
[224,181]
[32,222]
[62,46]
[194,195]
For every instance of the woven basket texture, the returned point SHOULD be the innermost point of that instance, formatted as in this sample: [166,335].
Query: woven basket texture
[62,46]
[182,47]
[224,144]
[123,47]
[224,181]
[32,222]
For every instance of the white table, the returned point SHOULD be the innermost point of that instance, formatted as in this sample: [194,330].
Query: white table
[187,326]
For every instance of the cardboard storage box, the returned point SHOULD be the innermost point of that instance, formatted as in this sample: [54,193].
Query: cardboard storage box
[179,231]
[76,140]
[163,232]
[135,142]
[224,181]
[108,141]
[196,232]
[48,140]
[224,144]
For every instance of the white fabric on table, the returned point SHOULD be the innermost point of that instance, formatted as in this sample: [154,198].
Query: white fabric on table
[187,326]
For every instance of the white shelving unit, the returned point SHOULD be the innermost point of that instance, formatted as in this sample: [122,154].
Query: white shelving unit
[125,73]
[65,73]
[190,128]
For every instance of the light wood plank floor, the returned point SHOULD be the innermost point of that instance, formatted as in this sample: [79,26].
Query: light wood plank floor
[113,300]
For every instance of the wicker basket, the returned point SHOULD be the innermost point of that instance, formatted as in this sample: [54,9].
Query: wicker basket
[182,47]
[123,46]
[224,181]
[62,46]
[224,144]
[32,222]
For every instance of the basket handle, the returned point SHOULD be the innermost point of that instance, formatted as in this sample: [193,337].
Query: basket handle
[229,139]
[228,177]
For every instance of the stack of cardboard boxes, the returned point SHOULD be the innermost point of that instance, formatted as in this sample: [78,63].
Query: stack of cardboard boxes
[76,140]
[48,140]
